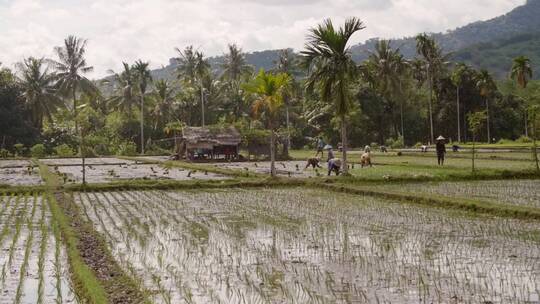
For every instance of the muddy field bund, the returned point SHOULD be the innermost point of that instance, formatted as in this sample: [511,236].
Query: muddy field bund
[309,246]
[283,168]
[19,173]
[106,170]
[33,262]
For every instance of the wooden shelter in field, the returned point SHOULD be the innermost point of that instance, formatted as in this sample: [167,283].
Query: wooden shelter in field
[211,142]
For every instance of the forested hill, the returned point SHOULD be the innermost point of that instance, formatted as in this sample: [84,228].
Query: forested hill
[490,44]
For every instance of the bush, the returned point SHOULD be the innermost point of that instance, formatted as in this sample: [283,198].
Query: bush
[395,143]
[418,145]
[524,139]
[38,151]
[19,150]
[64,150]
[127,149]
[4,153]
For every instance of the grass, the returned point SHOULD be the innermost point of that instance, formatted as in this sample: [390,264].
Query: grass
[87,285]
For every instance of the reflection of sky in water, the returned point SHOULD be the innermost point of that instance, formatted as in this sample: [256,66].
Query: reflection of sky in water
[312,246]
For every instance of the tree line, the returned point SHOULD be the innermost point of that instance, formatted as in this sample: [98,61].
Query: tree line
[320,91]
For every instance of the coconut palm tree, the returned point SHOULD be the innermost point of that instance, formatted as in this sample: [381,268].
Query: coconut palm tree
[38,90]
[143,76]
[457,79]
[71,67]
[235,65]
[192,69]
[426,47]
[327,56]
[125,84]
[486,86]
[522,72]
[267,89]
[287,64]
[163,98]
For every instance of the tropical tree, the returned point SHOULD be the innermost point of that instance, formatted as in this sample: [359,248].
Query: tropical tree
[163,99]
[71,67]
[192,69]
[287,64]
[38,91]
[435,62]
[268,90]
[125,83]
[331,69]
[486,87]
[235,65]
[522,73]
[457,80]
[143,76]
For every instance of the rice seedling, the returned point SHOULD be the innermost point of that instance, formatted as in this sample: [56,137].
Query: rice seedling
[515,192]
[25,268]
[304,245]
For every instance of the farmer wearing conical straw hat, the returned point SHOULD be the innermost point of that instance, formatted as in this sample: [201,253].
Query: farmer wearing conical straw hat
[441,150]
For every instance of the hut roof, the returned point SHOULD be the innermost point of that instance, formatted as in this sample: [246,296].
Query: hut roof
[213,135]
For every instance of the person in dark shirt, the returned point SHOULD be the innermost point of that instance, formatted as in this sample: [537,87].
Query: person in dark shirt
[441,150]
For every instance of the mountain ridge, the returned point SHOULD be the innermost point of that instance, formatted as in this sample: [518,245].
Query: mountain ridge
[522,20]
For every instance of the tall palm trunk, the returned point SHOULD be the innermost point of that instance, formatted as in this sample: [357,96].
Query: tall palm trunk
[142,122]
[458,115]
[344,144]
[487,121]
[401,113]
[79,132]
[473,151]
[288,143]
[430,80]
[272,152]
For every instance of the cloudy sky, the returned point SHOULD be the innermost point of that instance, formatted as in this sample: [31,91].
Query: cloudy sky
[126,30]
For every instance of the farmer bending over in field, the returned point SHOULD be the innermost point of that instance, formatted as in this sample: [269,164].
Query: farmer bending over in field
[334,165]
[365,160]
[441,150]
[314,162]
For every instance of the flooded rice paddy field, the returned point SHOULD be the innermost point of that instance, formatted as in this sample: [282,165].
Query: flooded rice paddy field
[19,173]
[302,245]
[99,173]
[33,262]
[518,192]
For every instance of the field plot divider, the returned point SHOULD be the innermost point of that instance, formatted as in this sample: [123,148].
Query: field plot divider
[97,278]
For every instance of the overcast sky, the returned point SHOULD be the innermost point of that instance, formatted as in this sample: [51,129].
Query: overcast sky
[126,30]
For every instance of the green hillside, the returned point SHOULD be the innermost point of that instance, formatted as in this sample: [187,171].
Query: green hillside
[497,56]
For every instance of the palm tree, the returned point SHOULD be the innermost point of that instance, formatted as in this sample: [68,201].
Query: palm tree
[286,64]
[522,72]
[235,64]
[486,86]
[70,69]
[143,76]
[192,68]
[426,46]
[331,68]
[163,98]
[386,66]
[457,80]
[268,91]
[123,98]
[38,90]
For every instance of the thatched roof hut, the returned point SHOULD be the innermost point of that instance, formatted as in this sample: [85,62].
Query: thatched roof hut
[214,140]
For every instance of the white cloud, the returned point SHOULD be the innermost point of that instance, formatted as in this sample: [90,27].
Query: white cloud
[126,30]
